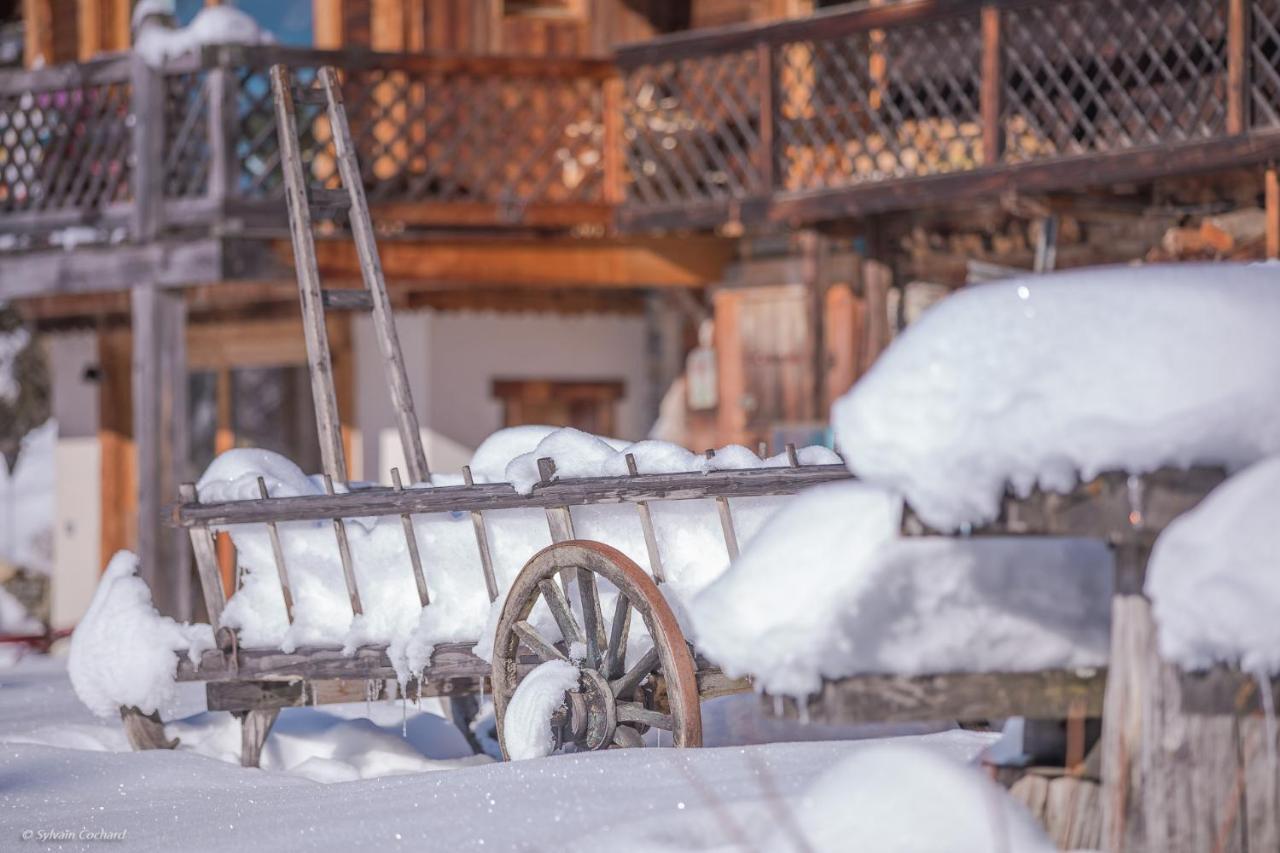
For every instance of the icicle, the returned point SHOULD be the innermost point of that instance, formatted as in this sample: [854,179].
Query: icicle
[1135,489]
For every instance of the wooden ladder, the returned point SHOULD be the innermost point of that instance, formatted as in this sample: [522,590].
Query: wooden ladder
[304,201]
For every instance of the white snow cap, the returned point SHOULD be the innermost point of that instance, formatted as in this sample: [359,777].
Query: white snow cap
[907,799]
[1033,380]
[526,727]
[1214,576]
[156,41]
[827,589]
[125,653]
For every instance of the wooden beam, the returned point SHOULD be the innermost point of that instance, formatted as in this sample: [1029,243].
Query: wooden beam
[1237,65]
[951,696]
[649,262]
[99,269]
[326,23]
[37,17]
[577,492]
[159,383]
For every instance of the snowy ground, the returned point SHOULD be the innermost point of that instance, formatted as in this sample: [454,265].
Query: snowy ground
[63,770]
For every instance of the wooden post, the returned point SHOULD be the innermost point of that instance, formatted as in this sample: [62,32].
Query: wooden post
[215,593]
[37,17]
[160,433]
[613,144]
[224,164]
[1272,181]
[1174,780]
[1237,65]
[992,86]
[148,149]
[765,159]
[813,258]
[319,360]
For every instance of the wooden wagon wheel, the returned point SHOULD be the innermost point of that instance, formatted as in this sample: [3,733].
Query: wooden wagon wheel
[615,703]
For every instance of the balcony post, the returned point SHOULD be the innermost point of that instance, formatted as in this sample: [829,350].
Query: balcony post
[764,67]
[223,169]
[1237,65]
[613,142]
[148,149]
[992,86]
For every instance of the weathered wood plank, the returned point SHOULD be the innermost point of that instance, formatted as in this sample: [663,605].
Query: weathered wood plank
[207,569]
[277,553]
[578,492]
[255,725]
[448,661]
[952,696]
[482,542]
[145,731]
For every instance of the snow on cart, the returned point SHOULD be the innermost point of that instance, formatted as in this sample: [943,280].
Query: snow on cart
[549,575]
[1019,451]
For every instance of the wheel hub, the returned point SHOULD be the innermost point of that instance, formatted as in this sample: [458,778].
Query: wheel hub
[593,715]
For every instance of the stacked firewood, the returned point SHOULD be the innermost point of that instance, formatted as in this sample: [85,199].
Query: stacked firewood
[1239,235]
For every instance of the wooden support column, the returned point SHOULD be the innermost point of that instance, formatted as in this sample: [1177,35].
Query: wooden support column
[159,385]
[992,86]
[148,148]
[813,264]
[1272,181]
[765,161]
[1172,779]
[1237,65]
[37,17]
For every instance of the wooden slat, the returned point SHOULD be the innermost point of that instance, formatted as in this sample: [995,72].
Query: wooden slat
[319,360]
[646,527]
[600,490]
[277,553]
[992,86]
[344,553]
[482,542]
[1237,65]
[411,541]
[215,595]
[448,660]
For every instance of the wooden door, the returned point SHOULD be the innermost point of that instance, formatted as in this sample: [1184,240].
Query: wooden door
[589,406]
[765,345]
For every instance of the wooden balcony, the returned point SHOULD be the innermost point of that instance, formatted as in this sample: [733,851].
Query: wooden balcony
[443,141]
[840,114]
[854,112]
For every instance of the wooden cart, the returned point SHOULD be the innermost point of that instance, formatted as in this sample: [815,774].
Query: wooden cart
[617,699]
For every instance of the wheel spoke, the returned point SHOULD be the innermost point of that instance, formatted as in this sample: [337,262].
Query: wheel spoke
[631,680]
[560,610]
[618,631]
[535,643]
[634,712]
[592,618]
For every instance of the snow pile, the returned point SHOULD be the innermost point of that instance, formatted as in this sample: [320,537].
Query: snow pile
[1028,381]
[14,618]
[527,725]
[689,538]
[155,41]
[907,799]
[1214,576]
[123,651]
[828,589]
[27,502]
[11,346]
[578,454]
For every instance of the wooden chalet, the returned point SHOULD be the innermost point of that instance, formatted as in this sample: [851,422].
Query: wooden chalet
[713,213]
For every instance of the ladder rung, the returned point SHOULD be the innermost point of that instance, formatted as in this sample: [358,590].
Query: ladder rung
[346,300]
[309,95]
[326,198]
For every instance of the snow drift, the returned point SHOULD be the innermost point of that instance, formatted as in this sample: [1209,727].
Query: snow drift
[123,652]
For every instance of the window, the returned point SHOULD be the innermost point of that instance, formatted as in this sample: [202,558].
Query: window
[590,406]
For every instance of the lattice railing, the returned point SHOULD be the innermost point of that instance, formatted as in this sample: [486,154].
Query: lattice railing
[880,104]
[1264,56]
[65,143]
[438,132]
[187,154]
[692,129]
[1100,75]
